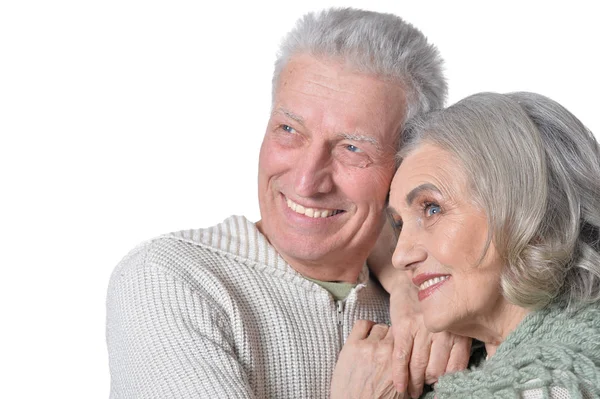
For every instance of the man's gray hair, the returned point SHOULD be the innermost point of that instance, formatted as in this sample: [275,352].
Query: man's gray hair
[374,43]
[534,168]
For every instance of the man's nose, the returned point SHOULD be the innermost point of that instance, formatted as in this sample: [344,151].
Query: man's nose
[408,252]
[314,171]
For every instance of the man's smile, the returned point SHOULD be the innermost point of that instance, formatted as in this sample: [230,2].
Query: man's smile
[312,212]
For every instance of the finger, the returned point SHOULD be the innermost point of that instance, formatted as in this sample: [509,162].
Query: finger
[389,336]
[378,332]
[403,343]
[388,344]
[441,348]
[360,330]
[418,363]
[459,354]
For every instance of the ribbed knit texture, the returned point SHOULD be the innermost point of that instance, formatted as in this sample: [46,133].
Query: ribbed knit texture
[550,348]
[217,313]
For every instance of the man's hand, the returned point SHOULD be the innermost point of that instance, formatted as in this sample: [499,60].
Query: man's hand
[420,356]
[364,367]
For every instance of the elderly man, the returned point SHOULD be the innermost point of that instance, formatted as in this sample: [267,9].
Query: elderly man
[244,310]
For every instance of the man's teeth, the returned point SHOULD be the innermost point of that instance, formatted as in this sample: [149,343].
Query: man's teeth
[311,212]
[431,282]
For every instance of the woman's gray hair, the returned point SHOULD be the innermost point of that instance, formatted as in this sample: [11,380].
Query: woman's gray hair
[534,169]
[375,43]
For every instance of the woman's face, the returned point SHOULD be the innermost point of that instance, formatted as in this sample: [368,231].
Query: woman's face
[442,235]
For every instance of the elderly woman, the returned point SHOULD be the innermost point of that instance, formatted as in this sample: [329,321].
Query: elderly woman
[496,206]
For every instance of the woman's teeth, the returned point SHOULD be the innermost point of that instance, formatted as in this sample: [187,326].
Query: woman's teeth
[432,281]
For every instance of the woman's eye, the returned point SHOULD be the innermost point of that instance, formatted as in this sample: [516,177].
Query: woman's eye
[432,209]
[396,225]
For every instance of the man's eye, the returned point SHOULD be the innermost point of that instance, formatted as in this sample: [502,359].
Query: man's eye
[432,209]
[353,148]
[288,128]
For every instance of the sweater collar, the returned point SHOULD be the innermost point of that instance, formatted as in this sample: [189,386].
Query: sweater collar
[241,238]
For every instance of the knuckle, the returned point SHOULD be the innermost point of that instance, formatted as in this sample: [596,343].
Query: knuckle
[443,338]
[401,354]
[385,349]
[362,323]
[365,348]
[457,365]
[417,367]
[418,361]
[380,328]
[382,357]
[431,376]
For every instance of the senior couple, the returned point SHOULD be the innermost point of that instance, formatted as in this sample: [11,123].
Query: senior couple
[491,209]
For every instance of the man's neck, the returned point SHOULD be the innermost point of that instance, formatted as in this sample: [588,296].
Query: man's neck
[334,268]
[341,271]
[339,291]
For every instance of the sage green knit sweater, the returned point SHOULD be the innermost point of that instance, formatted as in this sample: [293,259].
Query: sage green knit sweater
[551,354]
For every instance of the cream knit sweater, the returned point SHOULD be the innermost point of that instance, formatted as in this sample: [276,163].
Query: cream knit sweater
[217,313]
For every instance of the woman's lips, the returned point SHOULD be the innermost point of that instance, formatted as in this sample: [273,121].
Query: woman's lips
[428,283]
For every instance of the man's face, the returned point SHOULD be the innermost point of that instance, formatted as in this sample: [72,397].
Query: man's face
[326,164]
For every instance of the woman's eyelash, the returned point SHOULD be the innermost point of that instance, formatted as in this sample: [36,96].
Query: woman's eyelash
[397,224]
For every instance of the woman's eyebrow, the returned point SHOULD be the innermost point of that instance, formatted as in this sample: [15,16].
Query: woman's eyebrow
[410,197]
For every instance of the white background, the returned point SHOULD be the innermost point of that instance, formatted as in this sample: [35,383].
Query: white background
[122,120]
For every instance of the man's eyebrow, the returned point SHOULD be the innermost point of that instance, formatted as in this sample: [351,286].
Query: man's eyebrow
[289,114]
[346,136]
[410,197]
[360,137]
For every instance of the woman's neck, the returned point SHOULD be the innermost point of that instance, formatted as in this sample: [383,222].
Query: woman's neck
[493,328]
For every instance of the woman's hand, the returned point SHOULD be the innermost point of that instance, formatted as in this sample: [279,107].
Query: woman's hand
[364,367]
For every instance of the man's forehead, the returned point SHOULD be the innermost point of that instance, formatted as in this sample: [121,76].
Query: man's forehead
[322,73]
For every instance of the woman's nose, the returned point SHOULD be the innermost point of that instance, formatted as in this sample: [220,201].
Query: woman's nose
[408,251]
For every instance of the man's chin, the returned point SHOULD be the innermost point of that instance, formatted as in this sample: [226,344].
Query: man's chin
[303,251]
